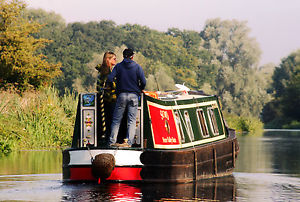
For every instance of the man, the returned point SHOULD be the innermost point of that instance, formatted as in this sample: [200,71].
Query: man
[130,81]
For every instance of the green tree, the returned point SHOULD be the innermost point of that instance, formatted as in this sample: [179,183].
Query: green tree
[291,97]
[191,39]
[207,69]
[265,73]
[284,72]
[165,48]
[20,64]
[282,111]
[230,43]
[229,58]
[53,24]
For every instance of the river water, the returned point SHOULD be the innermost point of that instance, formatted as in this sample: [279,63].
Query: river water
[267,169]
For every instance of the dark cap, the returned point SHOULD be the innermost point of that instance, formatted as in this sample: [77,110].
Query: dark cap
[127,53]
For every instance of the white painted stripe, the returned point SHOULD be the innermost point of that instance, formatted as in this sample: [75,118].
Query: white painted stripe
[190,144]
[201,104]
[122,157]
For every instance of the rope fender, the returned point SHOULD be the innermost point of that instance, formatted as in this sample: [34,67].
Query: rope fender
[103,165]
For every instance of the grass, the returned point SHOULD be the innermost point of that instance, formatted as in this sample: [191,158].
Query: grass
[36,120]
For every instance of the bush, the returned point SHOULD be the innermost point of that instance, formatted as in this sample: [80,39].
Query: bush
[292,125]
[5,148]
[244,124]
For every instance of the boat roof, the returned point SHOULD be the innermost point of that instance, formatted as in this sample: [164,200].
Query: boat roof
[172,98]
[181,95]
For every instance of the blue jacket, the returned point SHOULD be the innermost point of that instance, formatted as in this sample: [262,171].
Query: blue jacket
[129,77]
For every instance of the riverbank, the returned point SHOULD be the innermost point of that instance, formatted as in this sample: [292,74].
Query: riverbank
[42,120]
[244,124]
[36,120]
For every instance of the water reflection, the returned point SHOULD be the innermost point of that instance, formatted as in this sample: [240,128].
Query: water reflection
[267,187]
[273,152]
[41,187]
[267,169]
[241,187]
[31,162]
[285,151]
[102,192]
[222,189]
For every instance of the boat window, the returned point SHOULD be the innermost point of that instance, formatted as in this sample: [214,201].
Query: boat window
[202,123]
[189,125]
[213,121]
[178,123]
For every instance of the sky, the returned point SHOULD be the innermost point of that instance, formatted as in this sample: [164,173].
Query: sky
[275,24]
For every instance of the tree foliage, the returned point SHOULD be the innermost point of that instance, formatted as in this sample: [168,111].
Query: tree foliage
[20,64]
[285,72]
[229,64]
[222,58]
[77,43]
[283,110]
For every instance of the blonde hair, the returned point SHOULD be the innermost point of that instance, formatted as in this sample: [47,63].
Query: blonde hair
[105,67]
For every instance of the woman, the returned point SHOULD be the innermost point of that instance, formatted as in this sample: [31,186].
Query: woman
[107,95]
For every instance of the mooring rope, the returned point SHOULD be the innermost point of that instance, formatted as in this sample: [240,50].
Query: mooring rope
[92,158]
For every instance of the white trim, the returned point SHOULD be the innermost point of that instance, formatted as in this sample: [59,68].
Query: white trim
[222,122]
[82,109]
[122,157]
[177,107]
[189,128]
[201,104]
[151,125]
[179,127]
[212,128]
[142,121]
[151,128]
[204,141]
[199,123]
[189,144]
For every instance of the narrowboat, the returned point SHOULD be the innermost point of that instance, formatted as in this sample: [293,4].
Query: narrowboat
[181,136]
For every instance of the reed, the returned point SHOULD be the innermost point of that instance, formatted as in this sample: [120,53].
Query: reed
[36,119]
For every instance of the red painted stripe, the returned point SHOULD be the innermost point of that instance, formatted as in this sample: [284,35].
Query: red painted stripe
[81,174]
[119,173]
[125,173]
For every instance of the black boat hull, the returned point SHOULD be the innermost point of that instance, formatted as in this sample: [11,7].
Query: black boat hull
[200,162]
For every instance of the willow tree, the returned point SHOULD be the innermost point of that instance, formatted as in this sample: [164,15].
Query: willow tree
[20,63]
[231,58]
